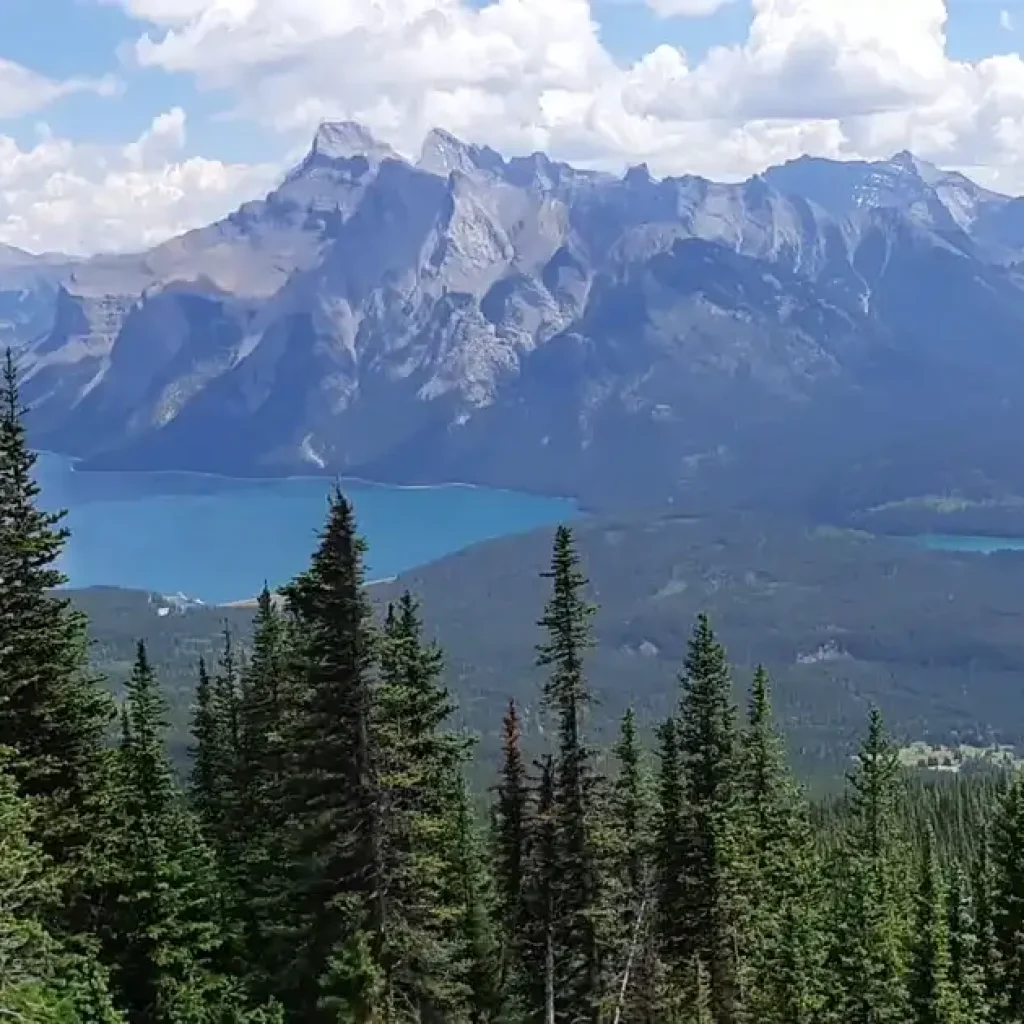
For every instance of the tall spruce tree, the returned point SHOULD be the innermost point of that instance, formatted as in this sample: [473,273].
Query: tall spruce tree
[670,853]
[983,893]
[866,980]
[230,830]
[335,904]
[932,997]
[265,712]
[542,913]
[509,841]
[41,980]
[53,713]
[417,772]
[794,994]
[207,776]
[567,625]
[630,806]
[779,869]
[27,961]
[165,924]
[712,841]
[965,974]
[1008,899]
[471,983]
[269,703]
[629,883]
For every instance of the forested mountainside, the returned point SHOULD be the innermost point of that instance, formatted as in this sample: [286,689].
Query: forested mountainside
[823,339]
[842,619]
[327,862]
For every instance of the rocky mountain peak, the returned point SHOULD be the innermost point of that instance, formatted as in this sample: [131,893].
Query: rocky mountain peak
[342,140]
[443,153]
[927,172]
[639,174]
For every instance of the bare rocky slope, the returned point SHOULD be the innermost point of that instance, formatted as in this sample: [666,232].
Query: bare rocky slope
[823,338]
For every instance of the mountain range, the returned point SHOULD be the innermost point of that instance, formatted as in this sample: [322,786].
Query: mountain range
[824,338]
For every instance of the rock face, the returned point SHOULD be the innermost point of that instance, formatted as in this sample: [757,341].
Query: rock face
[821,337]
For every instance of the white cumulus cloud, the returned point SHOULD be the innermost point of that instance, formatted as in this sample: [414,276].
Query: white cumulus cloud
[23,90]
[686,8]
[60,196]
[838,78]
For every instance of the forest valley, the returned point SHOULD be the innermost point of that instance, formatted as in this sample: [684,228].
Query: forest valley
[327,862]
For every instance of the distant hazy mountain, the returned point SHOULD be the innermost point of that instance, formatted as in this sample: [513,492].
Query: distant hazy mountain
[824,337]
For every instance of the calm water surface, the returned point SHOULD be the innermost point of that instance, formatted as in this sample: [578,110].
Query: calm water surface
[978,545]
[218,539]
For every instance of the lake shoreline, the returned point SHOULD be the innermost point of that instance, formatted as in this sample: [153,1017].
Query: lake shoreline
[268,478]
[215,537]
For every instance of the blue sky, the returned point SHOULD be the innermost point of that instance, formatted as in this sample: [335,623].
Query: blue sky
[182,105]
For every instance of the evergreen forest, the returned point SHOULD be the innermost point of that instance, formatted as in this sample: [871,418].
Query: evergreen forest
[326,861]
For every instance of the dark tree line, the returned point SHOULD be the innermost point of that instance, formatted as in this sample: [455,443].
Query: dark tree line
[327,862]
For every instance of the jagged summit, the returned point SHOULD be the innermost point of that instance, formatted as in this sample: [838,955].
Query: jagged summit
[461,316]
[442,153]
[639,174]
[339,140]
[927,172]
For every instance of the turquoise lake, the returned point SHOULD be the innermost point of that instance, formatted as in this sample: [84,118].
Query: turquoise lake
[977,545]
[218,539]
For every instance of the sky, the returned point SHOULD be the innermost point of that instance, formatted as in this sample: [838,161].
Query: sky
[124,122]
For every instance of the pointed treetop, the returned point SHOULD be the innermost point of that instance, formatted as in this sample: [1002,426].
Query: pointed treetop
[11,405]
[567,623]
[760,710]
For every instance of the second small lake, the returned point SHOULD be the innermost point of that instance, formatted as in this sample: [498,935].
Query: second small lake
[973,544]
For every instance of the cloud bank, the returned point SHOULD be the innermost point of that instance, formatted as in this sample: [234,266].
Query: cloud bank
[838,78]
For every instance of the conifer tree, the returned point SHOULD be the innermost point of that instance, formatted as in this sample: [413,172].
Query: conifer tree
[26,950]
[983,895]
[779,870]
[867,937]
[630,809]
[472,982]
[265,714]
[230,829]
[795,992]
[417,777]
[41,980]
[53,713]
[207,780]
[965,975]
[510,844]
[227,703]
[268,705]
[932,997]
[165,923]
[541,903]
[1008,899]
[335,909]
[629,882]
[670,851]
[566,623]
[712,839]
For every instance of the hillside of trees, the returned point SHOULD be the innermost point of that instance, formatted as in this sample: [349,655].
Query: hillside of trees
[841,620]
[327,862]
